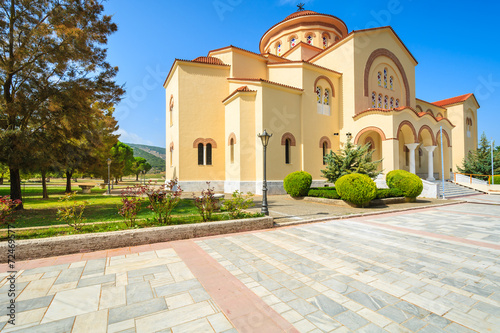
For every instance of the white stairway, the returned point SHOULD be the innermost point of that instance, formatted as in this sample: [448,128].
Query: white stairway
[452,190]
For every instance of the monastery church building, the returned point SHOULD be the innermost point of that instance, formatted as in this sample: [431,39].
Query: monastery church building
[313,85]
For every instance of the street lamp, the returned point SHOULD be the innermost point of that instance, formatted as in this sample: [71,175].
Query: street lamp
[109,176]
[349,135]
[264,137]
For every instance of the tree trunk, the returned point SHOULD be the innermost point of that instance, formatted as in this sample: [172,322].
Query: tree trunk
[68,181]
[15,187]
[45,194]
[136,177]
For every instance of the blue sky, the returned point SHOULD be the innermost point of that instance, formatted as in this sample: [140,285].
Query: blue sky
[457,45]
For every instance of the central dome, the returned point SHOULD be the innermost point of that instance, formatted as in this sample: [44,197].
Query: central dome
[301,13]
[307,26]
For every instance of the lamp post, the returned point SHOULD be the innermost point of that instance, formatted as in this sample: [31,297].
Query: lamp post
[492,167]
[109,176]
[264,137]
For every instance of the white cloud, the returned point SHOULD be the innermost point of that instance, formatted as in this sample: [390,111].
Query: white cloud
[132,138]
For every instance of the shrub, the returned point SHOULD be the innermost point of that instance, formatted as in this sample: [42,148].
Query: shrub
[409,183]
[238,202]
[131,199]
[163,199]
[206,203]
[383,193]
[496,180]
[356,188]
[72,212]
[298,183]
[323,192]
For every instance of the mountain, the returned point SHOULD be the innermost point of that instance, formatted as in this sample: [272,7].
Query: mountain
[156,156]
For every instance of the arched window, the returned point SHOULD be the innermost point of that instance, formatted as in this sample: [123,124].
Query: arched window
[288,143]
[391,83]
[318,95]
[319,99]
[278,49]
[386,102]
[392,103]
[231,144]
[171,111]
[325,148]
[325,42]
[469,127]
[374,99]
[385,77]
[397,103]
[379,79]
[379,101]
[209,153]
[310,39]
[293,42]
[326,102]
[201,154]
[171,154]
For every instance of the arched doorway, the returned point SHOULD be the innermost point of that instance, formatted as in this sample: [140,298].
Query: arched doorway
[374,136]
[408,144]
[425,159]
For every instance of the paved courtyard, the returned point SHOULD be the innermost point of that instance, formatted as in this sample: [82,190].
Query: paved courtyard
[430,270]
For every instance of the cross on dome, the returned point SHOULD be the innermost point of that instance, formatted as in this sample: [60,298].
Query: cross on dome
[300,6]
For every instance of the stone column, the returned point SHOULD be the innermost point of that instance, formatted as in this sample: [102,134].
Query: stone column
[430,150]
[411,147]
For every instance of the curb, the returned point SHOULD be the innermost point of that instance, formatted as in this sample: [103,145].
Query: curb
[345,217]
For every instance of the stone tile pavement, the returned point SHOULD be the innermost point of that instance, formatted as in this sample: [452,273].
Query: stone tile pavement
[432,270]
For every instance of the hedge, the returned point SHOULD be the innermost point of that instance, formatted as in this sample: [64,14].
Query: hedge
[356,188]
[298,183]
[323,192]
[409,183]
[383,193]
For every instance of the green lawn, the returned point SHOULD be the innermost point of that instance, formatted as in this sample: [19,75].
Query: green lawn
[42,212]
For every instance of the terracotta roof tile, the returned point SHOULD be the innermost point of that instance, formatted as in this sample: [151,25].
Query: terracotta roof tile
[238,48]
[209,60]
[265,81]
[240,89]
[401,108]
[453,100]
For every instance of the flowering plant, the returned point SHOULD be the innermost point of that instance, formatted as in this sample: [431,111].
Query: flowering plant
[206,203]
[7,206]
[163,199]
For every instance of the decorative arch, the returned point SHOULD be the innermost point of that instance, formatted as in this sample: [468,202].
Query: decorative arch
[444,134]
[292,36]
[406,122]
[322,77]
[231,136]
[430,111]
[310,33]
[326,34]
[323,140]
[425,127]
[171,147]
[439,115]
[386,53]
[367,129]
[204,142]
[286,136]
[419,109]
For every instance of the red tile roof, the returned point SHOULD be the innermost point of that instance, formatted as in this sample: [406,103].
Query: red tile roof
[240,89]
[265,81]
[453,100]
[301,13]
[209,60]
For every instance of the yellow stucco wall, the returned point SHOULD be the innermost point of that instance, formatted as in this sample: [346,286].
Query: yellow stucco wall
[201,90]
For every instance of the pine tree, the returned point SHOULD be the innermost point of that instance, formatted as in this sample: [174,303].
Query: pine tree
[350,159]
[478,162]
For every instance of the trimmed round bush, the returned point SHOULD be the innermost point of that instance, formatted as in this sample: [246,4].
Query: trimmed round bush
[356,188]
[409,183]
[298,183]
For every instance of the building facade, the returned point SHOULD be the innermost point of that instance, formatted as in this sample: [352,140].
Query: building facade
[313,85]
